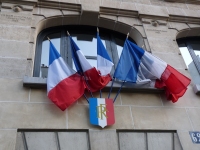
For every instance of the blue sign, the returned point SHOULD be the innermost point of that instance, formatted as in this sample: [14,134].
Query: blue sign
[195,136]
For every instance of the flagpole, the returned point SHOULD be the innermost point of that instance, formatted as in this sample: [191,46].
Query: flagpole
[100,89]
[111,87]
[118,92]
[82,73]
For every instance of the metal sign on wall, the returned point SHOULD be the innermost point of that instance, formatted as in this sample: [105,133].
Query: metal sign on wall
[195,136]
[101,111]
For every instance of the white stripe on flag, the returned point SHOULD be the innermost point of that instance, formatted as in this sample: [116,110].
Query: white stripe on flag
[104,65]
[58,71]
[83,61]
[102,122]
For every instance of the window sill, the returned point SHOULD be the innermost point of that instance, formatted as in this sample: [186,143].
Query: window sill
[37,82]
[196,89]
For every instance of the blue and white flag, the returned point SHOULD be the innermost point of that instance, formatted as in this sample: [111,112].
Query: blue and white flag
[137,65]
[104,63]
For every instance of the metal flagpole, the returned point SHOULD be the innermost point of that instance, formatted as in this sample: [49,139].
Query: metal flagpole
[82,73]
[111,87]
[100,89]
[118,92]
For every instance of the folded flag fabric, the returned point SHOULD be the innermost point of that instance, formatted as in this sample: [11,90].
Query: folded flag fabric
[64,85]
[137,65]
[104,63]
[94,81]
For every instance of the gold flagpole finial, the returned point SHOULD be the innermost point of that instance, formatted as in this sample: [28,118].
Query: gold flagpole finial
[127,35]
[68,33]
[48,38]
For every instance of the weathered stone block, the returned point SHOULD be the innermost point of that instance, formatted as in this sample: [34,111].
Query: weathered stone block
[175,11]
[7,139]
[12,67]
[152,10]
[141,99]
[161,32]
[160,118]
[50,12]
[17,33]
[194,116]
[23,115]
[73,140]
[90,5]
[128,6]
[39,95]
[132,140]
[162,141]
[110,4]
[16,91]
[106,140]
[15,19]
[178,26]
[163,46]
[14,49]
[192,13]
[41,140]
[19,142]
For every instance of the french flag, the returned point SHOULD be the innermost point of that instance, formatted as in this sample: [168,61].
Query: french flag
[104,63]
[64,85]
[101,112]
[136,65]
[94,80]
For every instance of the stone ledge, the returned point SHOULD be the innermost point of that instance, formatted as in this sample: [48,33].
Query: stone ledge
[184,19]
[184,1]
[37,82]
[196,89]
[117,12]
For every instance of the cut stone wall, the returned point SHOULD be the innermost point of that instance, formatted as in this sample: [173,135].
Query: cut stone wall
[153,24]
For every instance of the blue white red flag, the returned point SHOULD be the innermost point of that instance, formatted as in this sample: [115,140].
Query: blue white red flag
[64,85]
[136,65]
[104,63]
[101,111]
[95,81]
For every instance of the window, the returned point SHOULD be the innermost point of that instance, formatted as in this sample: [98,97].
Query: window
[85,38]
[190,50]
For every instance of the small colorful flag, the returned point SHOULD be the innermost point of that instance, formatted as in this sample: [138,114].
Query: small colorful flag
[95,81]
[64,85]
[101,111]
[136,65]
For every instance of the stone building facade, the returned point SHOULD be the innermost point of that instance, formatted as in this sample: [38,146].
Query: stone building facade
[154,25]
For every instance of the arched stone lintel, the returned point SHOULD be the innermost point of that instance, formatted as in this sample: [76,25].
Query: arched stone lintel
[188,32]
[115,25]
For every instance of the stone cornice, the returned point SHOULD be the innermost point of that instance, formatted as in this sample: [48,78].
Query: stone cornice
[118,12]
[61,6]
[184,19]
[106,10]
[185,1]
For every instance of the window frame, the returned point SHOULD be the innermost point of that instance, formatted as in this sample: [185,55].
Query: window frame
[65,49]
[39,82]
[186,41]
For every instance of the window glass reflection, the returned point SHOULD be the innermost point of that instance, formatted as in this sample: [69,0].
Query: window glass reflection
[88,45]
[186,55]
